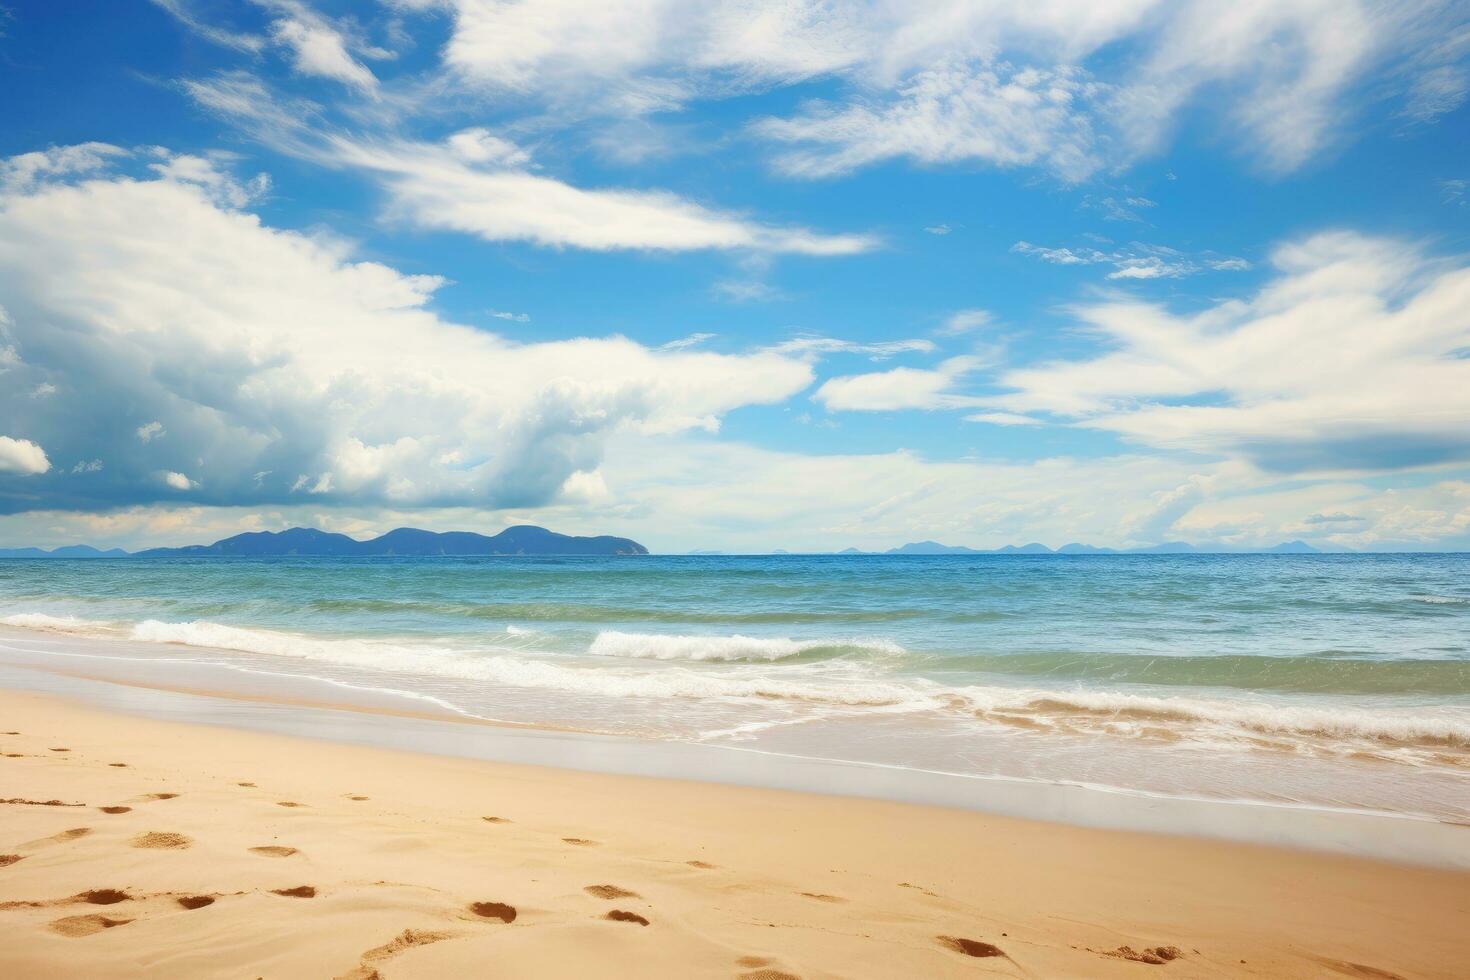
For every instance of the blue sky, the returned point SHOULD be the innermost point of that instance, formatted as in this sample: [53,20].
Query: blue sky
[741,274]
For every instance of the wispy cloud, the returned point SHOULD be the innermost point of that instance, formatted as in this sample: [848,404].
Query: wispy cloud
[1138,260]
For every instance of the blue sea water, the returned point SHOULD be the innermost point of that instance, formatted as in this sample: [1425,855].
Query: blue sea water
[1331,679]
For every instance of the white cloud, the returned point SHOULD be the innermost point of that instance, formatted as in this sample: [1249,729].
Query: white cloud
[1436,92]
[684,343]
[154,298]
[900,388]
[1138,260]
[210,175]
[317,46]
[938,229]
[964,321]
[22,456]
[177,481]
[1002,418]
[994,113]
[437,189]
[812,347]
[240,41]
[1352,358]
[20,172]
[1000,82]
[478,183]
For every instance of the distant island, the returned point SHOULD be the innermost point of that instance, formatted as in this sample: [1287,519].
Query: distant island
[308,542]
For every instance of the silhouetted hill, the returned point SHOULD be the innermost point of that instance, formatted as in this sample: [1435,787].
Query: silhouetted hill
[523,539]
[931,548]
[69,551]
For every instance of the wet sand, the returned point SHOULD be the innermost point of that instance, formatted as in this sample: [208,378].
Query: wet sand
[134,847]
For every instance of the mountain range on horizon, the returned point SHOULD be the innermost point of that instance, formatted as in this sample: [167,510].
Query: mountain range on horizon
[522,539]
[529,539]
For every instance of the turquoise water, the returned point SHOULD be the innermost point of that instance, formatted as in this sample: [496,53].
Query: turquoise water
[1343,679]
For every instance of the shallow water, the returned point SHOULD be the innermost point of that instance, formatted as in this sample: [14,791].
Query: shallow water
[1336,680]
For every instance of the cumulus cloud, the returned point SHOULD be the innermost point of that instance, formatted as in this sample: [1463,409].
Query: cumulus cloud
[1351,358]
[22,456]
[176,313]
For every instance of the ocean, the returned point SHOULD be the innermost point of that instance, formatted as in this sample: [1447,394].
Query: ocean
[1337,681]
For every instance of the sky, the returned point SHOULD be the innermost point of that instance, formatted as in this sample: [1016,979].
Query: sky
[737,274]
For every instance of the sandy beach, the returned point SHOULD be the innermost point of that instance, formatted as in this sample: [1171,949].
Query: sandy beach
[133,847]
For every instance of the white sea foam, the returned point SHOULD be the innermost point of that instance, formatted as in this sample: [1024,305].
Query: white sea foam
[835,684]
[72,625]
[1118,712]
[665,646]
[1442,600]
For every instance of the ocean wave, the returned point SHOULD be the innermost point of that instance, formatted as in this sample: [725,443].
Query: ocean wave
[746,670]
[1116,712]
[661,646]
[1297,674]
[1442,600]
[579,612]
[71,625]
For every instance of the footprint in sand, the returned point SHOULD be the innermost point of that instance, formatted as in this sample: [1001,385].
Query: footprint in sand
[17,801]
[116,809]
[85,925]
[274,850]
[248,785]
[904,884]
[579,842]
[357,799]
[6,860]
[288,803]
[495,820]
[300,891]
[768,975]
[66,835]
[407,939]
[618,915]
[1352,969]
[970,947]
[118,765]
[162,841]
[102,896]
[701,865]
[610,891]
[494,910]
[192,902]
[822,897]
[1155,955]
[61,750]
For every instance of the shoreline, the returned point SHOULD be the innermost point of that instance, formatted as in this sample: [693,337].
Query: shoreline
[1386,836]
[397,849]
